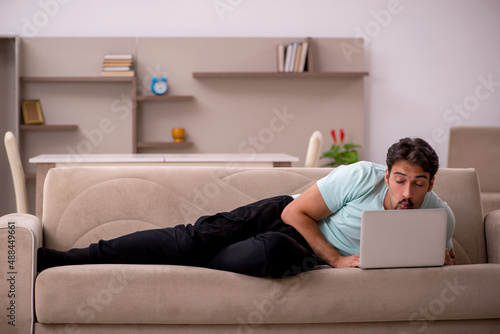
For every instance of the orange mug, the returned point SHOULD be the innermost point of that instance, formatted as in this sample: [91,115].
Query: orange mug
[178,134]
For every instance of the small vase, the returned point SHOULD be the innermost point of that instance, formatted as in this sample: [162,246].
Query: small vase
[178,135]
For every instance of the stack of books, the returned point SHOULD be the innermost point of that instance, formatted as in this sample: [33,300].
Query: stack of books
[292,57]
[118,65]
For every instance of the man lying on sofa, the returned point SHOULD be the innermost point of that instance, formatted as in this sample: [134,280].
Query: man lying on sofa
[276,236]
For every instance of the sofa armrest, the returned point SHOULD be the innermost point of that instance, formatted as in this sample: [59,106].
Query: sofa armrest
[20,237]
[492,232]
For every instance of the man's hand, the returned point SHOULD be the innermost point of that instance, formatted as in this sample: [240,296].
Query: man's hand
[346,261]
[449,258]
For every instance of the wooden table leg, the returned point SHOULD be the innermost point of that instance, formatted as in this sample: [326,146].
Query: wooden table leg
[41,173]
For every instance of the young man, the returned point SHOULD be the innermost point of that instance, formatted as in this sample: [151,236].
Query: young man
[283,235]
[336,201]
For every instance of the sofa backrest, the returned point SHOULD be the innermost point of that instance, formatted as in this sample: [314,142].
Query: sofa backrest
[477,147]
[84,205]
[460,189]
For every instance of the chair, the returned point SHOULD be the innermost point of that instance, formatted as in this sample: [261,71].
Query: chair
[17,171]
[479,148]
[313,151]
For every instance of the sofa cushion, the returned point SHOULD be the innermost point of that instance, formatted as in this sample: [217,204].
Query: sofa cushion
[491,202]
[455,326]
[146,294]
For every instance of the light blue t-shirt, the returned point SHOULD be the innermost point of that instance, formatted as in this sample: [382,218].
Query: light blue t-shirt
[348,191]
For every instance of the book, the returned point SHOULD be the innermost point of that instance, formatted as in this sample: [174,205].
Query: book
[303,56]
[309,59]
[117,73]
[110,60]
[280,52]
[118,65]
[118,56]
[126,68]
[298,54]
[288,57]
[294,56]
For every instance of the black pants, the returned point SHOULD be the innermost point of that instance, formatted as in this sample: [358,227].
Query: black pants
[251,240]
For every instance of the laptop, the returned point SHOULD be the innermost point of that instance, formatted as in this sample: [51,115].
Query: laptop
[403,238]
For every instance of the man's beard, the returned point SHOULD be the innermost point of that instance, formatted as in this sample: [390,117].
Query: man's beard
[404,204]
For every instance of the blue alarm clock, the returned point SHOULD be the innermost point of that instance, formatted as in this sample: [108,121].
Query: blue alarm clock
[159,85]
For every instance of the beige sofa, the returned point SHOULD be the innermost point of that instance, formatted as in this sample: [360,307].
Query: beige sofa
[478,147]
[83,205]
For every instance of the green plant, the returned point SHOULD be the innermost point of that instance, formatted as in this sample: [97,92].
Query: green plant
[340,153]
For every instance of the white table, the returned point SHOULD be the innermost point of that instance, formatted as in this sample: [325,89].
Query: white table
[45,162]
[192,159]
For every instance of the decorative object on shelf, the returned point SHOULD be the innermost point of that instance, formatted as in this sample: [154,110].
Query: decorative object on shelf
[178,134]
[118,65]
[159,85]
[32,112]
[340,153]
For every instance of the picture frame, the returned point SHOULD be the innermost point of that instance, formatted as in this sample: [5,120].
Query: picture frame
[32,112]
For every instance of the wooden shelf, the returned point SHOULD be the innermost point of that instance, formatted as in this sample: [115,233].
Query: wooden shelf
[142,100]
[163,144]
[159,98]
[357,74]
[43,127]
[77,79]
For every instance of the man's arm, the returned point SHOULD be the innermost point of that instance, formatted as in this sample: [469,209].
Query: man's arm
[303,213]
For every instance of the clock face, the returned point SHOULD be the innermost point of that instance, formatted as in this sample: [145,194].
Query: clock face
[159,87]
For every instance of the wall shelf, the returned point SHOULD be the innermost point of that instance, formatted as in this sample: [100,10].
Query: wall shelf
[44,127]
[156,98]
[164,145]
[65,75]
[214,75]
[76,79]
[159,98]
[28,81]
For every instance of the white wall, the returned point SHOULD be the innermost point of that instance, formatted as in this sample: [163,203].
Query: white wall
[430,61]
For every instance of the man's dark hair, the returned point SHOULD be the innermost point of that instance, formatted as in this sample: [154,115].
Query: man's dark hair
[415,151]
